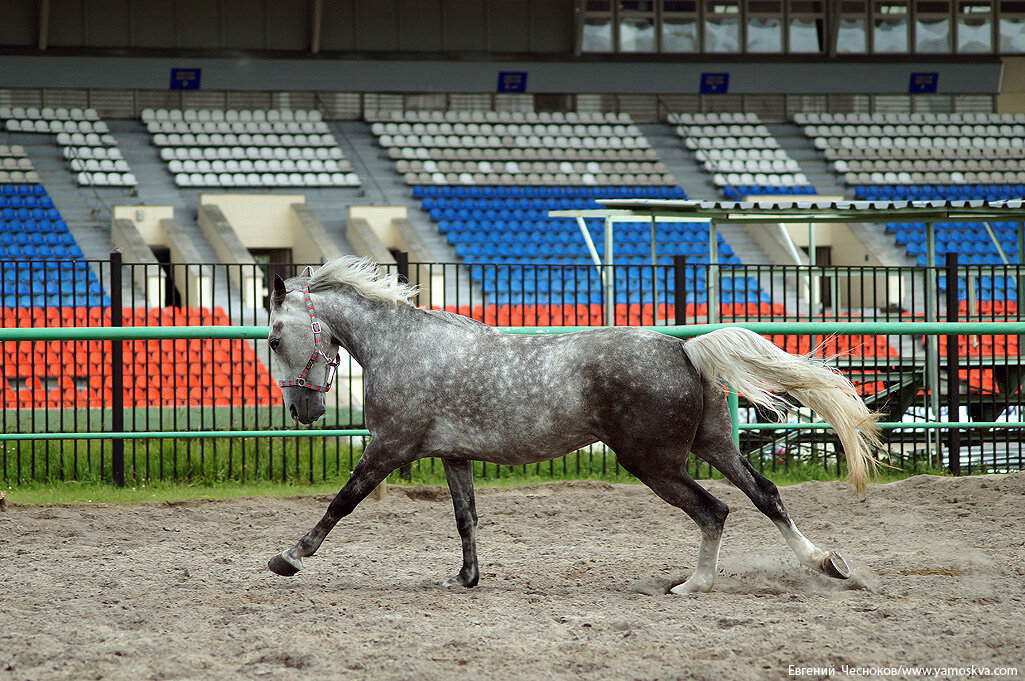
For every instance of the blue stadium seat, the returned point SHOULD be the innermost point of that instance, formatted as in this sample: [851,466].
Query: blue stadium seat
[505,225]
[39,255]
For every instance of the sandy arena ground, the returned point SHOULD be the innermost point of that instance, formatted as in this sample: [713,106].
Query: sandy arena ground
[572,587]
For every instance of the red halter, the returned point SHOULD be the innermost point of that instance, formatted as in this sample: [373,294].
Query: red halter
[332,365]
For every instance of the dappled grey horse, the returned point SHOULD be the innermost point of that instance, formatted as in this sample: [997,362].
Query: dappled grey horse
[441,385]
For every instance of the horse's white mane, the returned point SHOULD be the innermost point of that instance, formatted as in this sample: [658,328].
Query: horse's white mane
[364,276]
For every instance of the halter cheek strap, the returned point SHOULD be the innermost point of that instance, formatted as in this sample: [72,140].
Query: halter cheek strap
[332,364]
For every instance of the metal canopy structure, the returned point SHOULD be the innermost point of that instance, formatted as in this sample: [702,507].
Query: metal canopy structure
[782,212]
[823,211]
[811,212]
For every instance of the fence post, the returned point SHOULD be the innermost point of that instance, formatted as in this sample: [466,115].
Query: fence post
[117,378]
[931,274]
[953,371]
[402,265]
[680,292]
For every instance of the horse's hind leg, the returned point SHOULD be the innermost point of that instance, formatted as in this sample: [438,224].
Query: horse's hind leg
[667,477]
[460,482]
[715,445]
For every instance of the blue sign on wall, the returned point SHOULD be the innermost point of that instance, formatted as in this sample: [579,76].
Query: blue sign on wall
[923,83]
[715,83]
[512,81]
[185,79]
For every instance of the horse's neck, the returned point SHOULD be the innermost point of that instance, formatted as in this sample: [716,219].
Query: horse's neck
[364,327]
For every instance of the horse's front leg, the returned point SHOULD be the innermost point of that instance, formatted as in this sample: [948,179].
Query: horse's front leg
[460,482]
[373,467]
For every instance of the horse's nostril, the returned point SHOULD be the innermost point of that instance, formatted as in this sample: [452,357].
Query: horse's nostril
[294,412]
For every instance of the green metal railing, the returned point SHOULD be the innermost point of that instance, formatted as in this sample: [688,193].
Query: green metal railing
[690,331]
[259,332]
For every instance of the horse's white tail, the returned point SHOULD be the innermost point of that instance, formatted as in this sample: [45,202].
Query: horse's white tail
[754,367]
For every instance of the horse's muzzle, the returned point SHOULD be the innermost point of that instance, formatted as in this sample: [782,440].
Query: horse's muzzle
[305,407]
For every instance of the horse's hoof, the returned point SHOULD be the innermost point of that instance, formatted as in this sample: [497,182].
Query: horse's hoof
[278,565]
[693,586]
[460,580]
[835,566]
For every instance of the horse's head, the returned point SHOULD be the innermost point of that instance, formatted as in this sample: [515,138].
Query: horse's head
[305,354]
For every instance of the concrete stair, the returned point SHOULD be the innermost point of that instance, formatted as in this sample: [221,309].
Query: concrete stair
[156,187]
[699,186]
[382,185]
[813,164]
[86,210]
[828,183]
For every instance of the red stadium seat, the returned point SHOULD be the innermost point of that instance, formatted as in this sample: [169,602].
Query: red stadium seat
[156,372]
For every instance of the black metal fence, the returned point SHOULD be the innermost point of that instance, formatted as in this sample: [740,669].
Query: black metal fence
[184,385]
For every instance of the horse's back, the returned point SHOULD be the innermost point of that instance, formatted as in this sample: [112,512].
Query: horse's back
[514,399]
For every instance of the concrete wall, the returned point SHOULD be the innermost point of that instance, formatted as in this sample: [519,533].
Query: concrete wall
[1012,86]
[136,230]
[429,281]
[235,223]
[310,241]
[365,242]
[146,272]
[538,26]
[248,278]
[481,76]
[259,220]
[389,227]
[379,218]
[194,282]
[146,220]
[275,221]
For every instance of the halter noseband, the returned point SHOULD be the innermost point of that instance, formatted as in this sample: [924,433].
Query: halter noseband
[332,364]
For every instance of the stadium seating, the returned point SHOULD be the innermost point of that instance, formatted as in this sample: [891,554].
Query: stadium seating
[40,263]
[510,226]
[85,141]
[47,283]
[968,239]
[985,346]
[489,179]
[741,154]
[593,314]
[489,148]
[156,373]
[16,166]
[931,156]
[273,148]
[921,149]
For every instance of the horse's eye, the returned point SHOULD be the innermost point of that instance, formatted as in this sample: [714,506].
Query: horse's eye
[274,343]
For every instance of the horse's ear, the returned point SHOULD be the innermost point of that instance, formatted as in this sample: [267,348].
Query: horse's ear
[279,290]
